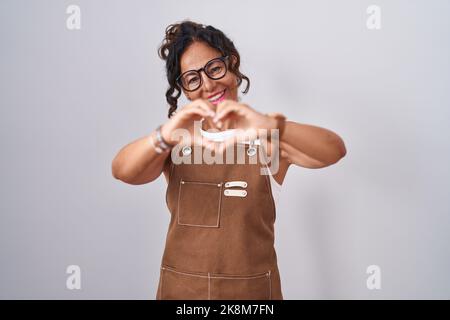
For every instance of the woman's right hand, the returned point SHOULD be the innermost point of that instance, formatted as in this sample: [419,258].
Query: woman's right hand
[184,119]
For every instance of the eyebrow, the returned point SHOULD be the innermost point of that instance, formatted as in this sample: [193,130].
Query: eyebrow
[181,72]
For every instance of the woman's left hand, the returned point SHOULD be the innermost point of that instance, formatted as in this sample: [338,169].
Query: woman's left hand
[242,116]
[249,122]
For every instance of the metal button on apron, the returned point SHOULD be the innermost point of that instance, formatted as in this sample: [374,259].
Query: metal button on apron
[186,150]
[251,151]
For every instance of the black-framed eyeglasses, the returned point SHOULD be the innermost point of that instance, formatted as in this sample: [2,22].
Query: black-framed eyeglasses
[214,69]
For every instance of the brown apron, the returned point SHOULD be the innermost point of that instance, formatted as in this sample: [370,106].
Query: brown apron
[220,242]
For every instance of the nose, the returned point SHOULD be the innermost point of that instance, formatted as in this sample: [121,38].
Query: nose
[208,84]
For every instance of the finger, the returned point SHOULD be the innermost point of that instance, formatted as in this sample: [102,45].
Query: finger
[200,104]
[225,103]
[206,105]
[196,111]
[226,111]
[219,120]
[190,117]
[224,124]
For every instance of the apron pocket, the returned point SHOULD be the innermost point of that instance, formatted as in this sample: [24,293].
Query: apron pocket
[257,287]
[199,204]
[176,285]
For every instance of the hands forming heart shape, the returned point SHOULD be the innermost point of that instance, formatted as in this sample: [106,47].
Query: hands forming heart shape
[228,114]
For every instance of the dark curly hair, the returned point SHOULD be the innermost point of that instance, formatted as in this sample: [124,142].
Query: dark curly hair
[178,38]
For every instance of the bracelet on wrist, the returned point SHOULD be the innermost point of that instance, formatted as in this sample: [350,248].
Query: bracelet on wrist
[158,142]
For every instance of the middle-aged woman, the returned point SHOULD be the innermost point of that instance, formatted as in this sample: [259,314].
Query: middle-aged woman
[220,242]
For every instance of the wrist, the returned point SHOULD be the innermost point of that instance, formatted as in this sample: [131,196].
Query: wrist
[272,123]
[160,144]
[278,122]
[166,135]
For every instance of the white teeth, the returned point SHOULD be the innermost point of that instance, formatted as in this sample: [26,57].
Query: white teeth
[216,97]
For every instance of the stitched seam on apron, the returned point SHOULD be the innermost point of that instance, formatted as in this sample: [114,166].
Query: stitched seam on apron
[196,225]
[209,287]
[199,182]
[178,203]
[168,183]
[218,277]
[220,204]
[270,287]
[268,184]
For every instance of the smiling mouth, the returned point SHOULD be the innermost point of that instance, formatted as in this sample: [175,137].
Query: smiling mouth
[218,96]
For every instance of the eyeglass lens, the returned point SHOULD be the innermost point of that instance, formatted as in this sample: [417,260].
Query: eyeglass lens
[215,69]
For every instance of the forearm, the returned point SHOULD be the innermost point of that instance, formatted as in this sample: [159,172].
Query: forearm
[136,158]
[318,143]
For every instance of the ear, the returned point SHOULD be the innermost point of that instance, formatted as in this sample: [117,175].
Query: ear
[233,60]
